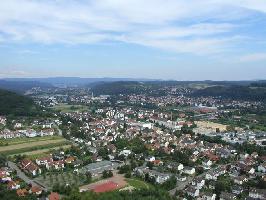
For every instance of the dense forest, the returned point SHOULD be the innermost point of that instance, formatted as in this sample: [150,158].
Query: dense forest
[15,104]
[234,92]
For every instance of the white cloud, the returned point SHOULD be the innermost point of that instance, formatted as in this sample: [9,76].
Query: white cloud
[164,24]
[14,73]
[253,57]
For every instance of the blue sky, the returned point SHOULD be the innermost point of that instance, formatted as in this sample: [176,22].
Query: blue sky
[166,39]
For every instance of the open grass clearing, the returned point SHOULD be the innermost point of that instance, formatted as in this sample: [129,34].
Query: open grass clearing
[22,140]
[138,184]
[70,108]
[43,152]
[32,148]
[30,144]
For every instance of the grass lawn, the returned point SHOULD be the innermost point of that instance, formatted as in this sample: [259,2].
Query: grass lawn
[70,108]
[138,184]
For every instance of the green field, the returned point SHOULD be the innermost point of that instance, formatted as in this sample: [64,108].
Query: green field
[15,141]
[138,184]
[70,108]
[33,148]
[43,152]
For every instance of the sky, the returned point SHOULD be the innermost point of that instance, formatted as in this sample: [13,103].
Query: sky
[161,39]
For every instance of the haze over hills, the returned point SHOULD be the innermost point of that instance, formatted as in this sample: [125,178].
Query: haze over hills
[76,81]
[21,85]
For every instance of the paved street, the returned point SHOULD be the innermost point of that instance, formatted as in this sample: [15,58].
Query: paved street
[182,185]
[23,176]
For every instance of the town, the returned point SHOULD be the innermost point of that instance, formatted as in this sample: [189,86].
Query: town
[88,141]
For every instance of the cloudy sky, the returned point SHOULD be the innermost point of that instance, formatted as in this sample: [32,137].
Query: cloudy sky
[167,39]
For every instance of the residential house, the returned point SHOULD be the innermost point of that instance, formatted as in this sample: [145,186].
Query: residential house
[31,133]
[227,196]
[198,182]
[47,132]
[192,191]
[189,170]
[22,192]
[262,167]
[159,177]
[4,176]
[125,152]
[181,178]
[257,193]
[44,160]
[177,166]
[150,159]
[12,185]
[236,189]
[207,164]
[70,160]
[240,180]
[59,164]
[30,167]
[211,175]
[208,196]
[35,190]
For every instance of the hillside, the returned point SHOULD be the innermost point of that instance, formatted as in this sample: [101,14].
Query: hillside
[12,103]
[120,87]
[22,86]
[234,92]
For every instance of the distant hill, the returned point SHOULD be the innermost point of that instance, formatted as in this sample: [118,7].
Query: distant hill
[75,81]
[15,104]
[21,86]
[119,87]
[234,92]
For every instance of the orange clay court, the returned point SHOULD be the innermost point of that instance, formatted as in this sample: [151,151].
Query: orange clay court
[106,187]
[110,184]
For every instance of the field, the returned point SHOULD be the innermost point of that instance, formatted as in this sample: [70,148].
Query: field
[27,140]
[46,150]
[61,178]
[137,184]
[70,108]
[31,146]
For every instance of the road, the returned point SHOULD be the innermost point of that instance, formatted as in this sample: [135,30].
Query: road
[182,185]
[23,176]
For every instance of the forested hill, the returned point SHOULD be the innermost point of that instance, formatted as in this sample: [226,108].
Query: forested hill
[234,92]
[15,104]
[22,86]
[120,87]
